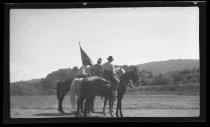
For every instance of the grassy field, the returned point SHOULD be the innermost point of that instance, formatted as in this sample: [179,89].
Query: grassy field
[134,105]
[192,89]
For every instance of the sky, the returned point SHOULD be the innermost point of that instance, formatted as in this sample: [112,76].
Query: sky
[45,40]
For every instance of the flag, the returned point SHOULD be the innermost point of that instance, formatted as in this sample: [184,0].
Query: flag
[85,57]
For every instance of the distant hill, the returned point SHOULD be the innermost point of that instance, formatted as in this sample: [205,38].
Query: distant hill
[169,65]
[47,85]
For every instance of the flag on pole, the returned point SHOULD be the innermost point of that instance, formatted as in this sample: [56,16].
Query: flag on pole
[85,57]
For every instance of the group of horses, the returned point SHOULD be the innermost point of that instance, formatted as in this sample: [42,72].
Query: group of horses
[84,90]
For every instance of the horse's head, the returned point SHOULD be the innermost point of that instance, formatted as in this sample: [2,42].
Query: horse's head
[134,78]
[119,71]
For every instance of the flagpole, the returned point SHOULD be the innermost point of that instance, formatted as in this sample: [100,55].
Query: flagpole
[80,48]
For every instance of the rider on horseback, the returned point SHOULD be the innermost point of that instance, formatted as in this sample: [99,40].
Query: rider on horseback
[109,71]
[97,68]
[83,71]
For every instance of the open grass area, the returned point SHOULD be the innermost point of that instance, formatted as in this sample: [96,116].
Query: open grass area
[129,102]
[134,105]
[143,101]
[181,89]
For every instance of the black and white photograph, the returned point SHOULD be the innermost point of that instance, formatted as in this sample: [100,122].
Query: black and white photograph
[104,62]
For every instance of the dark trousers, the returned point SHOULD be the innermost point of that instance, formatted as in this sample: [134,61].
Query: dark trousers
[108,75]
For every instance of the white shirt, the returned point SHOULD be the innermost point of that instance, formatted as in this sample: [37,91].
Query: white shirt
[82,70]
[108,67]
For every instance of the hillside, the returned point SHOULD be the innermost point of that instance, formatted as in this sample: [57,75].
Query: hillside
[168,66]
[47,85]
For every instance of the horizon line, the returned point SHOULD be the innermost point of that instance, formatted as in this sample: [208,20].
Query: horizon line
[115,65]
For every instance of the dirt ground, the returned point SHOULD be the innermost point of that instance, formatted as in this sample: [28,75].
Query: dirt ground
[133,106]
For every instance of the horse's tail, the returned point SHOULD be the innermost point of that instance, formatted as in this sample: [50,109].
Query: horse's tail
[73,94]
[58,89]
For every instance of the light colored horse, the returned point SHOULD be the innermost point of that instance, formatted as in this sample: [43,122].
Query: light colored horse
[75,91]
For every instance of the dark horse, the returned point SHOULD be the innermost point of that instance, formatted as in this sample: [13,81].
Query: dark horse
[95,86]
[62,89]
[124,79]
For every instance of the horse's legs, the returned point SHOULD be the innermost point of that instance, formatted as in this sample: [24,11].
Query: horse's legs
[77,101]
[92,109]
[81,108]
[105,101]
[87,104]
[110,106]
[120,106]
[121,109]
[78,106]
[118,103]
[59,104]
[60,101]
[113,105]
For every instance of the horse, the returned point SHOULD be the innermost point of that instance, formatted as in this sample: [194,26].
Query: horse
[75,94]
[129,80]
[124,79]
[62,89]
[74,91]
[92,87]
[75,87]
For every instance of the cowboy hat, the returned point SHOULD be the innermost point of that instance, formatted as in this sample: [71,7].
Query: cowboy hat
[110,58]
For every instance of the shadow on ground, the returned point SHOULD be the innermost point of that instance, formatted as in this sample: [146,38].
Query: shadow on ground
[55,114]
[98,114]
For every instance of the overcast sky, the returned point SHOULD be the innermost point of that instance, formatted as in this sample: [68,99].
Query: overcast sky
[45,40]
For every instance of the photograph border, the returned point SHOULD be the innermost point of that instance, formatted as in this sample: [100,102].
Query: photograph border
[202,43]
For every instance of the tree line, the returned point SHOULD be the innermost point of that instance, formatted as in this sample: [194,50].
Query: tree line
[43,86]
[170,78]
[47,86]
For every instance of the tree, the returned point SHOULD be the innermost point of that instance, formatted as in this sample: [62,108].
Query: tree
[185,72]
[177,79]
[47,84]
[161,80]
[146,77]
[150,75]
